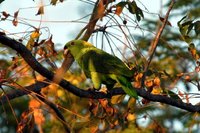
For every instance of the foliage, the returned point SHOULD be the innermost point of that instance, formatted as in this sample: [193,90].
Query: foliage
[122,28]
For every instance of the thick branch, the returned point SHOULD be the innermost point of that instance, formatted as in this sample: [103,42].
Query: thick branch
[26,54]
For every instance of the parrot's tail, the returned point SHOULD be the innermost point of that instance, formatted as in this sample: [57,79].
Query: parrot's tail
[127,87]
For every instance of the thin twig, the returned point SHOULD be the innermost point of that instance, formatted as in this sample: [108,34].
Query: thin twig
[155,42]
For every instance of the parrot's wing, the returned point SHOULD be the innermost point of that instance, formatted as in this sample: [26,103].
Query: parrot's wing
[96,60]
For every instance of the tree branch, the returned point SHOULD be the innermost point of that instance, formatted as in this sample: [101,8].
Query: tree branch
[35,65]
[154,43]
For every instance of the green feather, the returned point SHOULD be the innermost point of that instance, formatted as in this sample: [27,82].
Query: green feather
[101,67]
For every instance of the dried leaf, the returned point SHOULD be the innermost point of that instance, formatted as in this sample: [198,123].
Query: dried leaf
[130,117]
[119,7]
[117,99]
[16,14]
[162,20]
[26,123]
[40,10]
[35,34]
[156,90]
[131,103]
[93,108]
[5,14]
[156,81]
[53,2]
[148,83]
[15,22]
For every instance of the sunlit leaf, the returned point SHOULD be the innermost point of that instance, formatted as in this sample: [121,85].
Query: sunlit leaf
[120,6]
[156,90]
[26,123]
[156,81]
[132,103]
[117,99]
[53,2]
[35,34]
[40,10]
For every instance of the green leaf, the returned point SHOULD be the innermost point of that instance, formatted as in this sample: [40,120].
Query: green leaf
[187,38]
[190,28]
[197,27]
[134,9]
[187,23]
[179,22]
[173,95]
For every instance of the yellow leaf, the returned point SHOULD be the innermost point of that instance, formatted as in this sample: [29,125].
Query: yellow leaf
[117,99]
[35,34]
[131,103]
[131,117]
[40,10]
[156,81]
[156,90]
[148,83]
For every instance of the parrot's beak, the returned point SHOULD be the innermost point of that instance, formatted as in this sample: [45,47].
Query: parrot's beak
[67,53]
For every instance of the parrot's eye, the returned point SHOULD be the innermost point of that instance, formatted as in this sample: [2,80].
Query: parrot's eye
[65,47]
[72,43]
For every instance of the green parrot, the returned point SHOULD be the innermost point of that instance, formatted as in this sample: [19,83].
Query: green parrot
[100,66]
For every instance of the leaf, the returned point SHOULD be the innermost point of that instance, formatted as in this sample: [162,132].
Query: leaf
[190,28]
[197,27]
[5,14]
[156,81]
[117,99]
[35,34]
[26,123]
[162,20]
[40,10]
[119,7]
[53,2]
[187,23]
[15,22]
[16,14]
[179,22]
[173,95]
[134,9]
[132,103]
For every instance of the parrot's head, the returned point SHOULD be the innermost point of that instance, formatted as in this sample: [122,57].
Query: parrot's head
[74,47]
